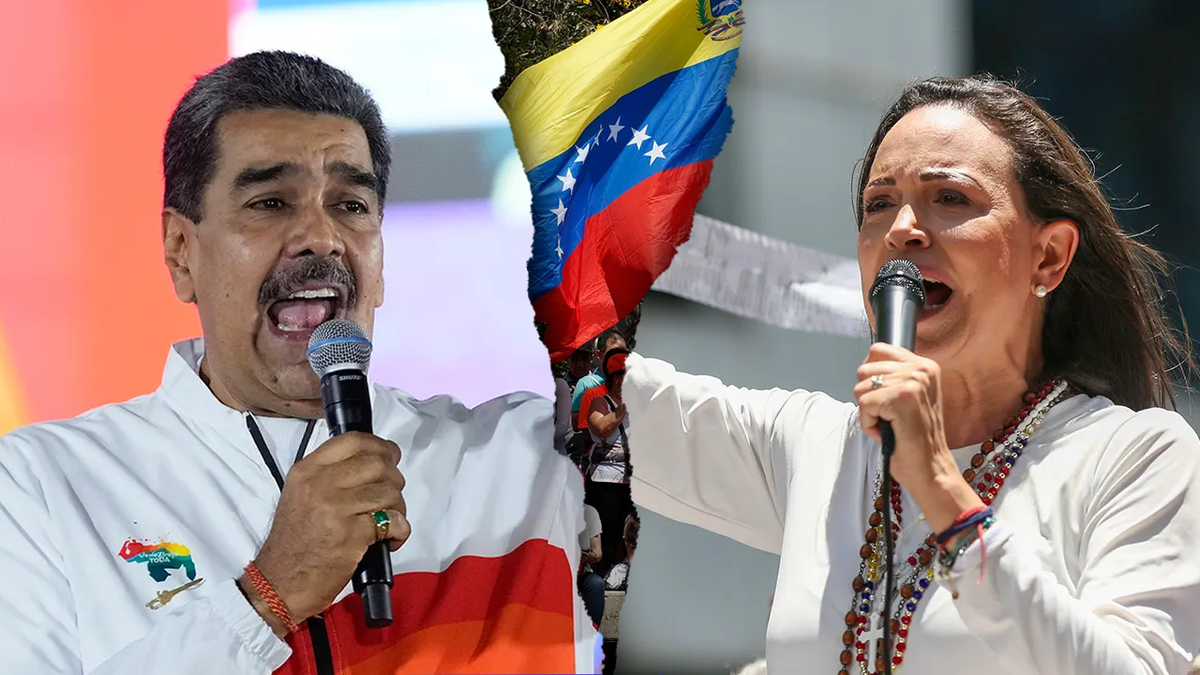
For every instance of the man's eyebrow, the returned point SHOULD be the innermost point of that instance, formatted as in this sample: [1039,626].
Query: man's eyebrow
[255,175]
[354,175]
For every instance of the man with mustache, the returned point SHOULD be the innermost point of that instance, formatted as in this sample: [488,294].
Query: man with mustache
[161,532]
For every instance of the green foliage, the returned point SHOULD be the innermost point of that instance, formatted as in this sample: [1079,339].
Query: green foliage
[530,31]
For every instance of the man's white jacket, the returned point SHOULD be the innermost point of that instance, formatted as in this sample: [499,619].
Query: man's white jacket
[122,531]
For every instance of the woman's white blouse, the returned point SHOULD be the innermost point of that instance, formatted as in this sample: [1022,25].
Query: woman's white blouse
[1093,566]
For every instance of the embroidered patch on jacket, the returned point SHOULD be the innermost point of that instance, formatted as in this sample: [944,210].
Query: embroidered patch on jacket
[160,558]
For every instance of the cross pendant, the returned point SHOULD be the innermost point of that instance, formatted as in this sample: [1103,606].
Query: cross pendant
[874,639]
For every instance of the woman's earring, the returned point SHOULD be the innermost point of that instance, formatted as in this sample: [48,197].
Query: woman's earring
[1040,291]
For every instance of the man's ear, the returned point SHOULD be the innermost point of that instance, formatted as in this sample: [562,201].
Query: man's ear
[178,232]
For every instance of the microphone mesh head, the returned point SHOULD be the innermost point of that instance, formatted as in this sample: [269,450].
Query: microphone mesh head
[899,273]
[338,344]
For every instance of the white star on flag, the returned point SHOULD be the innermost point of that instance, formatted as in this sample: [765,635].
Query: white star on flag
[596,140]
[656,152]
[559,250]
[583,152]
[561,212]
[568,181]
[614,129]
[639,136]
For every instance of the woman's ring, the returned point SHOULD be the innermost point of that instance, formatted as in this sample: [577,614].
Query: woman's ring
[876,381]
[382,523]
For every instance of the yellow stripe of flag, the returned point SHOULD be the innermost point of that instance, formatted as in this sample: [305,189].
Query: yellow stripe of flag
[12,409]
[551,103]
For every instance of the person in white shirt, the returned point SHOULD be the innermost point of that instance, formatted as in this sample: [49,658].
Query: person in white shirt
[213,526]
[1029,426]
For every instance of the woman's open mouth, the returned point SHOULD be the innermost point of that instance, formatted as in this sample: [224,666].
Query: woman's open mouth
[937,294]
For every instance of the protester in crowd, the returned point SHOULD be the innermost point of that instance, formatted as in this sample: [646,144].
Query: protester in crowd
[595,387]
[579,364]
[591,585]
[562,413]
[618,576]
[607,484]
[609,339]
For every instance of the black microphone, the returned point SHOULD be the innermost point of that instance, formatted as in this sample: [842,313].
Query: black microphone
[897,298]
[339,353]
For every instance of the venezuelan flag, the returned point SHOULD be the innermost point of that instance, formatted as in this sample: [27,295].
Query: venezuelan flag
[617,135]
[12,409]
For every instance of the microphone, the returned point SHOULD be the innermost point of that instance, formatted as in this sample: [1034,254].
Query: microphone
[339,353]
[897,298]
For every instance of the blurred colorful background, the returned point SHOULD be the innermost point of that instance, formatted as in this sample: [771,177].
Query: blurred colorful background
[86,88]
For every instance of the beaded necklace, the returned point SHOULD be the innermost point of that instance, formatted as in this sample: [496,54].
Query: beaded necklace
[991,466]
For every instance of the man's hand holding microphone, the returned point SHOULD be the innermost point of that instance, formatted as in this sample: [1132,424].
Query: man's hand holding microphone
[324,524]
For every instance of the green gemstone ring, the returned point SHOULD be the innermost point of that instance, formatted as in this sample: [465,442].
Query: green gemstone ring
[382,522]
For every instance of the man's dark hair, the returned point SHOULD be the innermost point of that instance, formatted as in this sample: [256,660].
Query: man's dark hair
[260,81]
[602,339]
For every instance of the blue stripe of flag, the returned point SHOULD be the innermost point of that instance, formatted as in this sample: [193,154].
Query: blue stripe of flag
[685,109]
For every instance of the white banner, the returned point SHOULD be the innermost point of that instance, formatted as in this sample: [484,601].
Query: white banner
[769,280]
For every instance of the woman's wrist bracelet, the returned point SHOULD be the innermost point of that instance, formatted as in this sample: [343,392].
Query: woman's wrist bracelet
[947,558]
[966,520]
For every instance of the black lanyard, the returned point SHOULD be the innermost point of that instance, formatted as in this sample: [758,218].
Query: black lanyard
[265,451]
[322,653]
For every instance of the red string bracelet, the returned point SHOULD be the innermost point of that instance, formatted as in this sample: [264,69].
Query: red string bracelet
[271,597]
[959,523]
[966,515]
[969,514]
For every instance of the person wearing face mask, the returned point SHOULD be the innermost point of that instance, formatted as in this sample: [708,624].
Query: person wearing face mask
[213,525]
[1046,504]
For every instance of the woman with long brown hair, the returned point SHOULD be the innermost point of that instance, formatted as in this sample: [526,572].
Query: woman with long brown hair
[1046,507]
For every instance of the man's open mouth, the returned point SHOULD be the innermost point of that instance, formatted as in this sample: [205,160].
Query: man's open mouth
[301,311]
[937,294]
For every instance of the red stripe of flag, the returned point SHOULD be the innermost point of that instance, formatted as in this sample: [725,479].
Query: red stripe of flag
[624,249]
